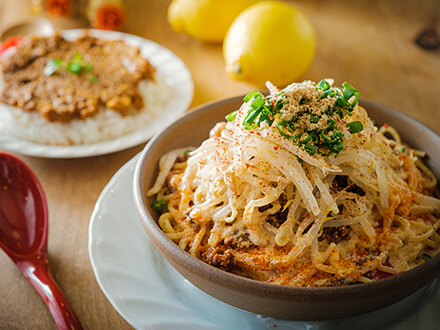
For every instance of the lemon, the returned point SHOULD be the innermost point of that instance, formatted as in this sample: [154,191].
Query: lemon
[269,40]
[206,20]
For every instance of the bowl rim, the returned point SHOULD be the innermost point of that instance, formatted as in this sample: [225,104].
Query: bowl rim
[412,278]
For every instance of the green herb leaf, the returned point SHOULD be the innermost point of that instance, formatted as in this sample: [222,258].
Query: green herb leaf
[92,78]
[77,64]
[249,121]
[159,205]
[336,147]
[281,130]
[325,141]
[310,149]
[355,127]
[331,122]
[305,140]
[73,67]
[231,116]
[52,66]
[257,102]
[348,92]
[89,67]
[248,97]
[314,118]
[324,85]
[77,57]
[262,109]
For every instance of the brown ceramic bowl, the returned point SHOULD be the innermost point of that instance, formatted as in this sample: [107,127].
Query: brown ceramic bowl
[282,302]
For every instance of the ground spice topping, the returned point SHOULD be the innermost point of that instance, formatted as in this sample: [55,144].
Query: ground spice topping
[308,114]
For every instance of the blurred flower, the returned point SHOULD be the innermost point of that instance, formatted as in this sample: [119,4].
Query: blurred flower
[64,8]
[106,14]
[59,7]
[101,14]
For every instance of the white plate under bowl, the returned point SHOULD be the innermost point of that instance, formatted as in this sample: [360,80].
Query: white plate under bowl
[171,68]
[150,294]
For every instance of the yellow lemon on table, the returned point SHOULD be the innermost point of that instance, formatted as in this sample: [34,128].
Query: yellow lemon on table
[206,20]
[269,40]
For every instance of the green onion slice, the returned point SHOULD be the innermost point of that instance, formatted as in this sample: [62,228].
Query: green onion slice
[355,127]
[231,116]
[159,205]
[52,66]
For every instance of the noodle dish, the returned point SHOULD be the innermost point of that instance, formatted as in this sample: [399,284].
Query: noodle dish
[300,188]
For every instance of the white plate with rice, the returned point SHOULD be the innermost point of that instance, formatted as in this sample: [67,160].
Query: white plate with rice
[166,100]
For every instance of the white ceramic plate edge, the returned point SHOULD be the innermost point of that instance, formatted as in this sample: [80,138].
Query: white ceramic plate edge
[136,291]
[150,294]
[169,66]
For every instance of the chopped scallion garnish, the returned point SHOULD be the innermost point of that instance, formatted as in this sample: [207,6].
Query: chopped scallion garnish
[324,141]
[52,66]
[75,66]
[310,149]
[159,205]
[92,78]
[231,116]
[355,127]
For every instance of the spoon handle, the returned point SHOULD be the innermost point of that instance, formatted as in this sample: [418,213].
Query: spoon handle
[41,278]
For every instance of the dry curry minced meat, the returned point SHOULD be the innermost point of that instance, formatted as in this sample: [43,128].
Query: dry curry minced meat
[65,80]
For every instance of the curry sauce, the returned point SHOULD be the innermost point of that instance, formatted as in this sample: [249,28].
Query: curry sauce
[64,80]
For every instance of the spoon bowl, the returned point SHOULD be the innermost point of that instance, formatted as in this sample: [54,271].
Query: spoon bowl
[23,219]
[23,235]
[34,25]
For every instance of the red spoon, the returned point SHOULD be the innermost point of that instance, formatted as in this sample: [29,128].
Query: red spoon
[23,235]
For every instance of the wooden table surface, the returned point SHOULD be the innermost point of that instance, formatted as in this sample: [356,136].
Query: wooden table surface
[370,44]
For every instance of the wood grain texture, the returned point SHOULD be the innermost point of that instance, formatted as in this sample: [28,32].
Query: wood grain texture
[367,43]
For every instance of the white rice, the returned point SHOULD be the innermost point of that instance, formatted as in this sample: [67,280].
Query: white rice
[105,125]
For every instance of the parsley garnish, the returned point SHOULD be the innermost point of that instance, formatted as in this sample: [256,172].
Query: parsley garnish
[324,141]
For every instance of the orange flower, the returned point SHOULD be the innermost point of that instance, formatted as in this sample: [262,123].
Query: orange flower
[110,17]
[58,7]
